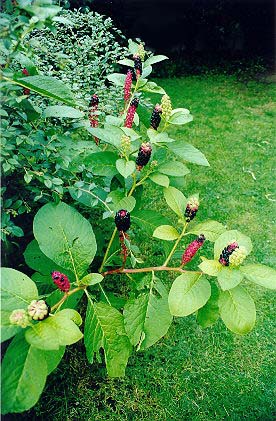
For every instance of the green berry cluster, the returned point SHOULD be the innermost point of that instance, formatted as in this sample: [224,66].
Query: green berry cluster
[166,106]
[238,256]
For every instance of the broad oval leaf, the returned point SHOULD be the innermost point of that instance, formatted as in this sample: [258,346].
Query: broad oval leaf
[104,328]
[117,78]
[125,168]
[176,200]
[92,279]
[228,237]
[173,168]
[229,278]
[210,267]
[102,163]
[260,275]
[24,372]
[180,116]
[62,111]
[148,220]
[65,236]
[211,229]
[155,59]
[166,232]
[147,318]
[160,179]
[189,292]
[209,313]
[237,310]
[188,152]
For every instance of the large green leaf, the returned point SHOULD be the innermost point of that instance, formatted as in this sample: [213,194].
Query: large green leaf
[188,152]
[110,134]
[62,111]
[228,237]
[120,201]
[189,292]
[175,200]
[211,229]
[17,291]
[210,267]
[147,317]
[125,168]
[148,220]
[229,278]
[49,87]
[173,168]
[104,328]
[209,313]
[24,372]
[160,179]
[180,116]
[154,59]
[65,236]
[117,78]
[166,232]
[53,358]
[58,330]
[237,310]
[260,274]
[102,163]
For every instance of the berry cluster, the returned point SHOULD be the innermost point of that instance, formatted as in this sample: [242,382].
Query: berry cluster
[93,116]
[125,145]
[38,310]
[61,281]
[137,65]
[19,317]
[122,220]
[127,86]
[26,91]
[144,155]
[191,208]
[166,106]
[192,249]
[131,112]
[226,253]
[238,256]
[155,117]
[141,51]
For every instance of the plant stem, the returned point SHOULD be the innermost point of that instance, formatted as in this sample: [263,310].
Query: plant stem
[107,250]
[149,269]
[175,245]
[133,185]
[66,295]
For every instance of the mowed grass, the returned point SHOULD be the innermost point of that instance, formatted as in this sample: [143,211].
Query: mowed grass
[194,374]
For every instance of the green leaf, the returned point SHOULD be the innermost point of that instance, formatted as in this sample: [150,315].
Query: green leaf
[148,220]
[117,78]
[147,317]
[91,279]
[104,328]
[102,163]
[62,111]
[156,137]
[211,229]
[153,88]
[55,331]
[173,168]
[49,87]
[125,168]
[228,237]
[180,116]
[110,134]
[24,372]
[229,278]
[209,313]
[126,62]
[155,59]
[210,267]
[166,232]
[260,275]
[175,200]
[53,358]
[188,152]
[37,261]
[65,236]
[237,310]
[188,293]
[120,201]
[160,179]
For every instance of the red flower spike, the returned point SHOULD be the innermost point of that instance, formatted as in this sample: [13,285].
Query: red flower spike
[93,117]
[155,117]
[131,112]
[127,87]
[192,249]
[61,281]
[137,65]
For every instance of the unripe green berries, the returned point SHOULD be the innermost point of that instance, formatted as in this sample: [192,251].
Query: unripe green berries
[141,52]
[238,256]
[38,310]
[125,145]
[166,106]
[19,317]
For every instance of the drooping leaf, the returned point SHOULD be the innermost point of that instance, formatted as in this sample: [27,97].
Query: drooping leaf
[166,232]
[148,220]
[48,86]
[188,152]
[104,328]
[209,313]
[58,330]
[24,372]
[211,229]
[189,292]
[260,275]
[228,237]
[229,278]
[237,310]
[61,111]
[175,200]
[65,236]
[147,317]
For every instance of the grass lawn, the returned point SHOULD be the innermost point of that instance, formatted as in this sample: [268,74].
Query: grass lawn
[194,374]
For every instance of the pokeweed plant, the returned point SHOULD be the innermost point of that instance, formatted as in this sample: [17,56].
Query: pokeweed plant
[40,314]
